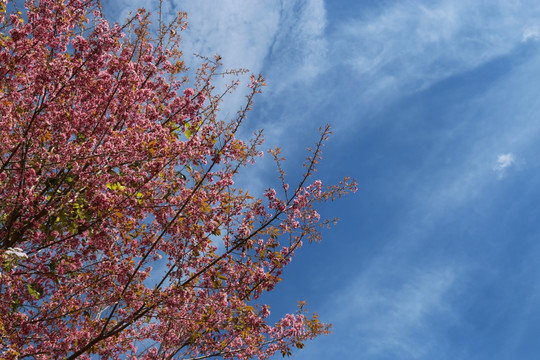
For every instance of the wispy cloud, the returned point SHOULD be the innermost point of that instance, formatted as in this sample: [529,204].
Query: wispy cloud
[240,31]
[411,44]
[300,47]
[394,320]
[386,314]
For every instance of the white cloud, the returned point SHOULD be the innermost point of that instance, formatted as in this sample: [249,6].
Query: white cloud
[504,161]
[531,33]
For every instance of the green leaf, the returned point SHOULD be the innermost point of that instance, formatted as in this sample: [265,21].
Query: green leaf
[15,303]
[36,293]
[116,186]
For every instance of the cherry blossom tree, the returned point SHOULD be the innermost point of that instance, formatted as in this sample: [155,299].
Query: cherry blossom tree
[122,234]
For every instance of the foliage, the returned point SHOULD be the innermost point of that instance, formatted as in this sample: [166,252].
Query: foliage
[122,234]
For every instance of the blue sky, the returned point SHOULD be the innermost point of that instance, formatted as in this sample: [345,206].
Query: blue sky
[436,112]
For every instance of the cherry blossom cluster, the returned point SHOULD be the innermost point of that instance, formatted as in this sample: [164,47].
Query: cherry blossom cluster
[122,234]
